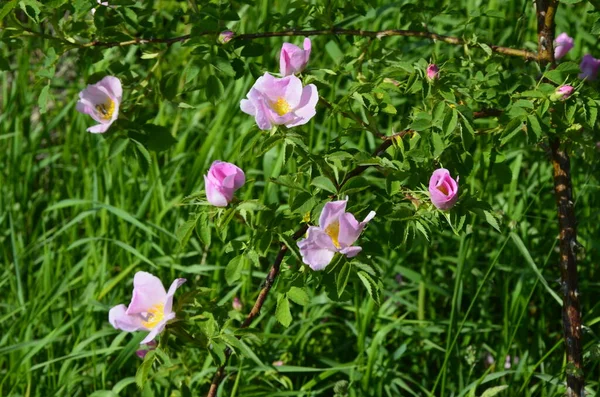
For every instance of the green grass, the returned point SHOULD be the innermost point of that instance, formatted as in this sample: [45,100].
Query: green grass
[78,218]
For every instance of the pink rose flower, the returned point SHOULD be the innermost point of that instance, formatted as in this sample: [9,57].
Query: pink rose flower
[443,189]
[433,72]
[562,44]
[562,93]
[274,101]
[589,67]
[101,101]
[150,309]
[225,37]
[237,304]
[292,59]
[337,231]
[222,180]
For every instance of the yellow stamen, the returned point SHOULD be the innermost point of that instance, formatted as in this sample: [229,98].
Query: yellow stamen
[443,189]
[155,316]
[333,231]
[281,106]
[106,109]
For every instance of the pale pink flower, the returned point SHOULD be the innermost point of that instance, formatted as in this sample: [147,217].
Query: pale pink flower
[150,309]
[274,101]
[562,93]
[101,101]
[278,363]
[337,231]
[562,44]
[237,304]
[221,182]
[589,67]
[443,189]
[225,37]
[433,72]
[292,59]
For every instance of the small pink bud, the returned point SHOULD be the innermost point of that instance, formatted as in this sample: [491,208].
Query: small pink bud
[222,180]
[433,72]
[237,305]
[443,189]
[293,59]
[562,44]
[225,37]
[562,93]
[278,363]
[142,352]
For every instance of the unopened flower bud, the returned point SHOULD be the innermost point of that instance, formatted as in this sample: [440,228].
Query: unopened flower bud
[225,37]
[562,93]
[433,72]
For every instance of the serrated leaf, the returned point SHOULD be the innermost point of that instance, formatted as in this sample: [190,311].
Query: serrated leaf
[450,122]
[491,219]
[184,232]
[203,228]
[298,296]
[43,99]
[324,183]
[7,8]
[214,89]
[143,370]
[534,125]
[233,271]
[283,313]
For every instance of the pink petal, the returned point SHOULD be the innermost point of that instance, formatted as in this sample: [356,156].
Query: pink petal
[351,252]
[148,291]
[214,195]
[99,128]
[317,249]
[119,319]
[307,107]
[113,86]
[331,212]
[169,300]
[247,107]
[154,332]
[293,92]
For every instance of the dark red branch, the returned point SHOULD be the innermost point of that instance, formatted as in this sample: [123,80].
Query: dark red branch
[571,313]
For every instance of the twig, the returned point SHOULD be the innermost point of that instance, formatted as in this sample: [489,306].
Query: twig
[274,272]
[571,313]
[529,55]
[546,11]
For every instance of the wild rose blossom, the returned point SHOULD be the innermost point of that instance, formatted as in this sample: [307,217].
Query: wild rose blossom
[277,101]
[150,309]
[589,67]
[225,37]
[292,59]
[562,45]
[101,101]
[221,182]
[337,231]
[562,93]
[443,189]
[433,72]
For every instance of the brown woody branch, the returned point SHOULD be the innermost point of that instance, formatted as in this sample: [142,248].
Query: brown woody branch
[529,55]
[571,313]
[563,191]
[274,271]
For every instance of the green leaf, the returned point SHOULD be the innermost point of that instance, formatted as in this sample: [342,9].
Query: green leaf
[283,313]
[534,125]
[324,183]
[492,391]
[298,296]
[253,49]
[214,89]
[342,278]
[450,122]
[184,232]
[143,370]
[6,8]
[43,99]
[233,271]
[491,219]
[438,144]
[169,85]
[203,228]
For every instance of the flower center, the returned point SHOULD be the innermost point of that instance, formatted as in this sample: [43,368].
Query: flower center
[333,230]
[106,109]
[443,189]
[281,106]
[155,315]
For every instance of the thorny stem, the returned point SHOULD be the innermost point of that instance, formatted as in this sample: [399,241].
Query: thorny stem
[529,55]
[563,190]
[274,271]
